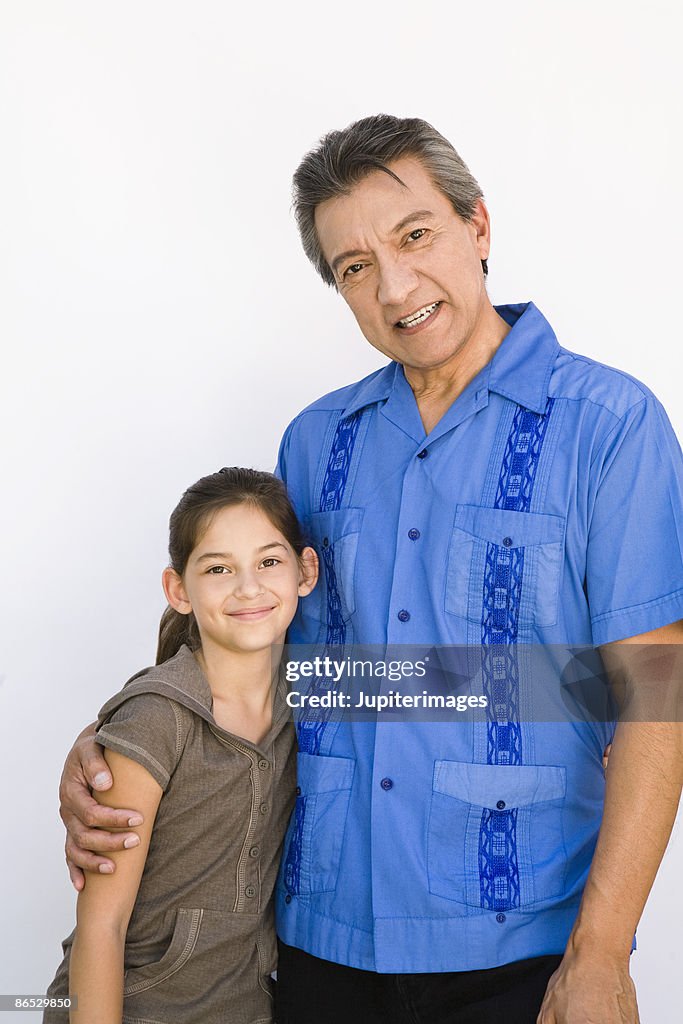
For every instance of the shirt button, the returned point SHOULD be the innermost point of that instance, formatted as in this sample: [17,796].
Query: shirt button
[500,805]
[413,534]
[326,542]
[500,918]
[298,790]
[404,615]
[255,850]
[264,765]
[264,808]
[386,784]
[507,541]
[288,898]
[250,891]
[423,454]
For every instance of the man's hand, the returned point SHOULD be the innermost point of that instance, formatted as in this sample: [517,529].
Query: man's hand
[590,988]
[605,756]
[84,818]
[592,985]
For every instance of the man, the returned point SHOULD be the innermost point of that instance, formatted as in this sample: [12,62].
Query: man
[486,488]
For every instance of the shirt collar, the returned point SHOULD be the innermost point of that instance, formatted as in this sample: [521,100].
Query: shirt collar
[376,388]
[523,364]
[184,673]
[520,369]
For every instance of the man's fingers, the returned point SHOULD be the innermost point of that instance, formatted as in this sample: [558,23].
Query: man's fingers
[83,840]
[76,875]
[95,815]
[79,860]
[95,768]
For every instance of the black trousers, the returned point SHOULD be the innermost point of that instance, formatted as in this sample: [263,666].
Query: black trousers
[313,991]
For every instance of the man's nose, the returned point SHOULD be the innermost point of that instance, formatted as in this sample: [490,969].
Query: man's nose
[397,280]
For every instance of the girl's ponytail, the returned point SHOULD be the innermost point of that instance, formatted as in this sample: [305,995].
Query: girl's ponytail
[176,629]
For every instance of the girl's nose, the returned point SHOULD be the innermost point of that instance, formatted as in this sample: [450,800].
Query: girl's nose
[248,586]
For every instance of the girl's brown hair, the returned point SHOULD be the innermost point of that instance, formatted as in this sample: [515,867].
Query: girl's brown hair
[191,517]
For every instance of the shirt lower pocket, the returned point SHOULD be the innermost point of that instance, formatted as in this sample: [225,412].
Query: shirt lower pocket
[495,834]
[313,845]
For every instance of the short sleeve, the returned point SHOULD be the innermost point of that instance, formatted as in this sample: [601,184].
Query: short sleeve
[634,567]
[283,453]
[147,728]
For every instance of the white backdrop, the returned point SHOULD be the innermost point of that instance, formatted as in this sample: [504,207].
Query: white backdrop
[159,320]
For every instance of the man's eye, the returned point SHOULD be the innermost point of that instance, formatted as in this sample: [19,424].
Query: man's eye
[417,233]
[353,269]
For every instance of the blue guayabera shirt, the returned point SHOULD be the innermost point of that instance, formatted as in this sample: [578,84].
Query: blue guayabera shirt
[545,507]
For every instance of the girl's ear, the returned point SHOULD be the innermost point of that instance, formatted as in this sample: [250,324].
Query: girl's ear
[308,571]
[174,589]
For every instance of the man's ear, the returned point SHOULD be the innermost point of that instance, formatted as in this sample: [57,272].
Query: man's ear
[308,571]
[174,589]
[482,227]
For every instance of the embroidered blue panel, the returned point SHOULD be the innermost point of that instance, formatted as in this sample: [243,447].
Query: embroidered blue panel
[331,496]
[336,627]
[292,872]
[310,730]
[339,462]
[502,592]
[521,458]
[498,868]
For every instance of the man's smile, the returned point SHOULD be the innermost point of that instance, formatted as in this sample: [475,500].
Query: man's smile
[419,317]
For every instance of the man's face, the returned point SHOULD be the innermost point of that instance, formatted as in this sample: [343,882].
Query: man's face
[408,266]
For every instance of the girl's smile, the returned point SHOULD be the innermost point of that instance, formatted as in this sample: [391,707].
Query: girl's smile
[251,614]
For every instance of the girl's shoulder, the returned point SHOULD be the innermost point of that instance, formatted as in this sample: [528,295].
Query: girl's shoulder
[149,719]
[179,679]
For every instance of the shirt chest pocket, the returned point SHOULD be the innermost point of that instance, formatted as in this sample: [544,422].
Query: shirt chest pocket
[334,535]
[504,569]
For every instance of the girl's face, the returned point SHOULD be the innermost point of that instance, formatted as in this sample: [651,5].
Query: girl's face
[242,581]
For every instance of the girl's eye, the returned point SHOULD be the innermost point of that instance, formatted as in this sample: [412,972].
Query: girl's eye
[417,233]
[268,562]
[218,570]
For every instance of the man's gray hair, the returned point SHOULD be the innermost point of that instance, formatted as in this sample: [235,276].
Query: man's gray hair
[343,158]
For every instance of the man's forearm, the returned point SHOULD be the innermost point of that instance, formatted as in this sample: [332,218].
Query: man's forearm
[643,789]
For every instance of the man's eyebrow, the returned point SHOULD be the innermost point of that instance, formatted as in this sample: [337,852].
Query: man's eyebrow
[228,554]
[417,215]
[345,256]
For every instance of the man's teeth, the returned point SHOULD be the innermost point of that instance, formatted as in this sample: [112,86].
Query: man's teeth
[418,317]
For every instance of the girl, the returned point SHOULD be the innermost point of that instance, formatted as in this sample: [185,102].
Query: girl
[203,745]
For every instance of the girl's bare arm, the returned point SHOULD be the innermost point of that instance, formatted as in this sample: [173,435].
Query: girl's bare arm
[105,905]
[87,819]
